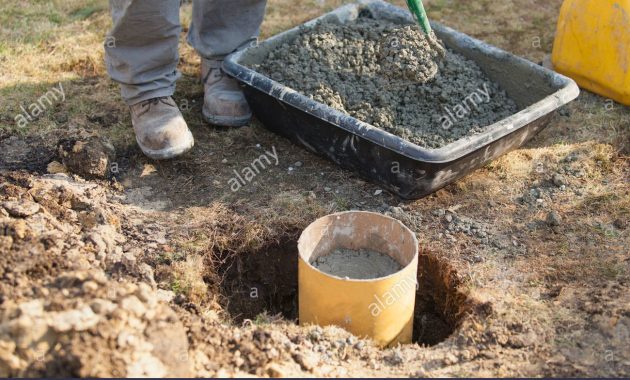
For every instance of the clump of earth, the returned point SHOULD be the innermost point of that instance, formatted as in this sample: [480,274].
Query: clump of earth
[391,76]
[362,264]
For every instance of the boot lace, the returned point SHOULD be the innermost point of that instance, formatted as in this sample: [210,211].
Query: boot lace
[146,105]
[216,71]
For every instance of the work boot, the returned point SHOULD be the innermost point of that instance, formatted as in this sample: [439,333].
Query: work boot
[224,103]
[161,131]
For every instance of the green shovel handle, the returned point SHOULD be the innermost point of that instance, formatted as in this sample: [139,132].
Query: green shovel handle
[417,10]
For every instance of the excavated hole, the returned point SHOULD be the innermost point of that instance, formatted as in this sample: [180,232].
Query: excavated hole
[265,281]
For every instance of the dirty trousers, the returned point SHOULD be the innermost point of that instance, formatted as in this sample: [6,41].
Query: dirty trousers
[141,50]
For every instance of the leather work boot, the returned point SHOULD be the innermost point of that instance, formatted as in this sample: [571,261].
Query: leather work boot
[224,103]
[161,131]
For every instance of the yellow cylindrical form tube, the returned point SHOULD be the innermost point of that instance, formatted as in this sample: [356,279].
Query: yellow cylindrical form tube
[380,308]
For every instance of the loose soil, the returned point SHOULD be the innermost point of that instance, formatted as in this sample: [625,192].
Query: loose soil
[391,76]
[361,264]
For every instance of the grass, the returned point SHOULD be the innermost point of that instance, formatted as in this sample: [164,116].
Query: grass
[188,279]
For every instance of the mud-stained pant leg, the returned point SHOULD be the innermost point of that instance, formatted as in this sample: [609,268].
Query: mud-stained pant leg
[141,49]
[219,27]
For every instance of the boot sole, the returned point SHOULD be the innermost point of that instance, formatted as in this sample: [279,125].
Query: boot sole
[165,154]
[226,121]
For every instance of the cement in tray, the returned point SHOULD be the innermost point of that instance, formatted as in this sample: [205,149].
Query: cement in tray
[393,77]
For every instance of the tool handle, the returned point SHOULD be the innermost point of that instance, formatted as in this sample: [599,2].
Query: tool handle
[417,10]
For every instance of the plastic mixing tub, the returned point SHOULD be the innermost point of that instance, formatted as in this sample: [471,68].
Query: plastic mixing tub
[402,167]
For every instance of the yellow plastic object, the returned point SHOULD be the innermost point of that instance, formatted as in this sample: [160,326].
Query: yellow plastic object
[592,46]
[382,308]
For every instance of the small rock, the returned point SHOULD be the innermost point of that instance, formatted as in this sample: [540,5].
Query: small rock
[34,308]
[419,374]
[448,218]
[146,295]
[298,164]
[620,224]
[535,192]
[450,359]
[146,365]
[396,358]
[133,305]
[17,229]
[147,170]
[327,189]
[56,167]
[360,344]
[21,209]
[224,161]
[98,243]
[179,299]
[439,212]
[378,192]
[89,287]
[165,295]
[571,157]
[307,361]
[6,242]
[275,370]
[102,307]
[553,219]
[146,271]
[558,180]
[315,334]
[74,320]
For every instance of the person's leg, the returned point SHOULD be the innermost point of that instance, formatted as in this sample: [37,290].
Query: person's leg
[141,55]
[218,28]
[141,48]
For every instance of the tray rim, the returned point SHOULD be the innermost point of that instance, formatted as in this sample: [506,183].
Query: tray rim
[567,91]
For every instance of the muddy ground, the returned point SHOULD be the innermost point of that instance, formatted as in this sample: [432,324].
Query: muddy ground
[161,269]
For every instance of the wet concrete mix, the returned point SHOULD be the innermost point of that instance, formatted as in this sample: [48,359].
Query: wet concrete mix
[391,76]
[362,264]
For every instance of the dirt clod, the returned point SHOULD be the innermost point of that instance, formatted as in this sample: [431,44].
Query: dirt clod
[89,158]
[21,208]
[553,219]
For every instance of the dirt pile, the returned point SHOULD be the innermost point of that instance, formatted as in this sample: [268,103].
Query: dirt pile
[379,80]
[71,294]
